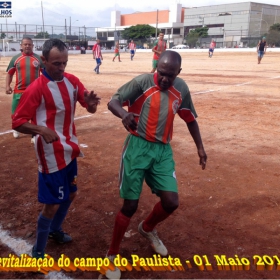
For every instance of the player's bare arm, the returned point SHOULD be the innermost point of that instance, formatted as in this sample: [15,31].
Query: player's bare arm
[9,79]
[128,119]
[92,100]
[195,133]
[49,135]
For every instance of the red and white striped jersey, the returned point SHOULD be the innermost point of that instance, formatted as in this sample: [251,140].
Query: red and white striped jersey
[96,49]
[132,46]
[52,104]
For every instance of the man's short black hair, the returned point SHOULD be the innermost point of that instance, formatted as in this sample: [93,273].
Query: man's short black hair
[50,44]
[26,38]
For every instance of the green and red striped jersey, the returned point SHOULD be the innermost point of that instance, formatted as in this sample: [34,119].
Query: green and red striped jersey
[154,109]
[159,45]
[27,69]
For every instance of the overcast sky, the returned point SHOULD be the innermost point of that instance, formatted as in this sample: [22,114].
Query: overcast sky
[93,13]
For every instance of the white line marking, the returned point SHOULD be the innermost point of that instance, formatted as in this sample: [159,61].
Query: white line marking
[238,85]
[5,132]
[77,118]
[201,92]
[81,117]
[274,78]
[20,246]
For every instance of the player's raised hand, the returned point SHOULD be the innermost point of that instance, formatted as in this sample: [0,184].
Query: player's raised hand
[92,100]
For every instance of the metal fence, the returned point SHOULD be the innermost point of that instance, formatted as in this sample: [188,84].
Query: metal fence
[81,35]
[17,31]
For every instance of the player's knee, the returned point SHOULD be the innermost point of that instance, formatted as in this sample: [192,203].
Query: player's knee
[170,205]
[72,195]
[129,207]
[49,210]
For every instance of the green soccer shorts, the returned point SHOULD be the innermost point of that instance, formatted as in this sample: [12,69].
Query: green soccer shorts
[152,161]
[154,63]
[15,101]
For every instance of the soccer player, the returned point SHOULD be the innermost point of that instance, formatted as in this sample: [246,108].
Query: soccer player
[50,102]
[211,48]
[153,101]
[117,52]
[27,67]
[159,47]
[97,55]
[132,49]
[261,49]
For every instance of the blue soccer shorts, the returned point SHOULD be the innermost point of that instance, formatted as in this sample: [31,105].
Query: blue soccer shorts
[55,188]
[260,54]
[98,61]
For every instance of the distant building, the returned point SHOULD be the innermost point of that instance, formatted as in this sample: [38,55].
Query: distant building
[232,24]
[171,22]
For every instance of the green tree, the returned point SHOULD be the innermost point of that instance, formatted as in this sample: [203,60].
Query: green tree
[273,37]
[139,32]
[3,36]
[41,35]
[275,27]
[195,34]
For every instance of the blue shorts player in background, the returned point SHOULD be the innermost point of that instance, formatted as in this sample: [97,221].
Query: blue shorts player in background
[97,55]
[49,103]
[261,49]
[132,49]
[211,48]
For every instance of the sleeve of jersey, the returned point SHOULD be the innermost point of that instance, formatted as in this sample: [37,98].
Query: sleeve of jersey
[155,45]
[80,97]
[128,93]
[11,69]
[28,104]
[186,110]
[42,66]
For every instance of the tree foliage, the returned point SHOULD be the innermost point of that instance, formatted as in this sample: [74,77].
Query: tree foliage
[41,35]
[195,34]
[3,36]
[139,32]
[275,27]
[273,37]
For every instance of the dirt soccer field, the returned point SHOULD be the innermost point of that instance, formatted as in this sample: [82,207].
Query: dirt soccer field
[230,209]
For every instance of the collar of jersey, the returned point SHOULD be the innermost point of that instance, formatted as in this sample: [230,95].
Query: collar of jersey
[47,75]
[156,82]
[25,54]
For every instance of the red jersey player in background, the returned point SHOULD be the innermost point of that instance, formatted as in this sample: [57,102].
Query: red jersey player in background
[153,101]
[211,48]
[27,66]
[159,47]
[97,55]
[117,52]
[50,102]
[132,49]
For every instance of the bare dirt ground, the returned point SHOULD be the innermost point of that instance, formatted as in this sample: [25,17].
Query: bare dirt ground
[231,208]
